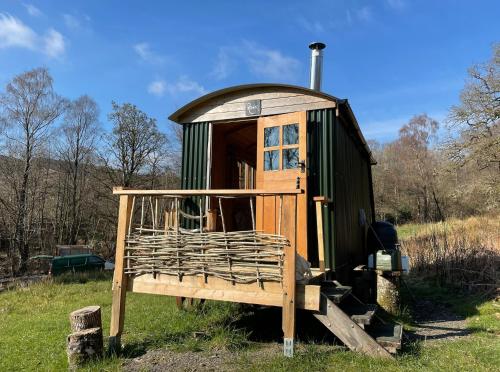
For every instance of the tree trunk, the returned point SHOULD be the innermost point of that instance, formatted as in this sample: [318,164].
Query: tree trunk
[20,234]
[440,212]
[88,317]
[83,346]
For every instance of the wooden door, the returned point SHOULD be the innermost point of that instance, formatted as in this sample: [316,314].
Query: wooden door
[281,157]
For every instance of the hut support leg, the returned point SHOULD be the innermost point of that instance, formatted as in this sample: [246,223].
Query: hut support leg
[289,302]
[119,278]
[289,290]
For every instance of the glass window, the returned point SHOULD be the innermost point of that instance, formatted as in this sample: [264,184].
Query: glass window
[94,259]
[271,136]
[290,134]
[271,161]
[290,158]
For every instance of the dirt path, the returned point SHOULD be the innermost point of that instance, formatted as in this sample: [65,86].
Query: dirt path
[168,360]
[437,322]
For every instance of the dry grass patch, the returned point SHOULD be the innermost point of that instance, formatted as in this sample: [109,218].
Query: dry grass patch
[464,253]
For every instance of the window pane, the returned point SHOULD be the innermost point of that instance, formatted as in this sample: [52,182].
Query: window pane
[271,136]
[271,160]
[290,158]
[291,134]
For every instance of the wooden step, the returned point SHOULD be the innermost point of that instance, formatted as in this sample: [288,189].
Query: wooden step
[336,293]
[388,335]
[350,333]
[361,314]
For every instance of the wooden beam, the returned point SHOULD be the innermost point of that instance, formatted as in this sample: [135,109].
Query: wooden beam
[320,200]
[210,192]
[270,294]
[289,284]
[119,277]
[211,220]
[350,333]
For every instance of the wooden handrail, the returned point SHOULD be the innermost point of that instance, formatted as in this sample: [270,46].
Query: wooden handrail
[209,192]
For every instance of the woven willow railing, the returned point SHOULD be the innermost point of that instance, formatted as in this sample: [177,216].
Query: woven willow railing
[237,256]
[158,242]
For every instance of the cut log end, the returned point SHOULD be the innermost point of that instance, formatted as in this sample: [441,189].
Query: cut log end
[85,318]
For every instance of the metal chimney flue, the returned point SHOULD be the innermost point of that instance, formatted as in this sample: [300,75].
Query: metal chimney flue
[316,64]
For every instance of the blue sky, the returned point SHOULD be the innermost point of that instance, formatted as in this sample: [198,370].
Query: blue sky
[391,58]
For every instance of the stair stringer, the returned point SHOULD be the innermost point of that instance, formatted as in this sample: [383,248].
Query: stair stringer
[350,333]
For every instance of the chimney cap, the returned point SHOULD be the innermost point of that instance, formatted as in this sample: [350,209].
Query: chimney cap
[317,45]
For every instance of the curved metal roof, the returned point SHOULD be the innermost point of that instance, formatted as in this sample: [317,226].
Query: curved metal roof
[221,92]
[237,88]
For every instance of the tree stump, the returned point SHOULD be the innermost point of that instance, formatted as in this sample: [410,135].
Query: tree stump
[88,317]
[83,346]
[388,296]
[85,342]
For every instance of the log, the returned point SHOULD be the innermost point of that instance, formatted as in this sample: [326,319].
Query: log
[83,346]
[388,296]
[85,318]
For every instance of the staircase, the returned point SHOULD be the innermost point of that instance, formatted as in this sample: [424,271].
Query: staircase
[354,324]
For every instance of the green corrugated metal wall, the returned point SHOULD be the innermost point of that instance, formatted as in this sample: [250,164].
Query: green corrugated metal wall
[339,168]
[194,164]
[320,180]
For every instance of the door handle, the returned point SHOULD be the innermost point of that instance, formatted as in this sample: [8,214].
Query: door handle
[302,165]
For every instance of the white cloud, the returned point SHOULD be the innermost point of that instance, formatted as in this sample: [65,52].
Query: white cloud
[182,86]
[76,22]
[224,64]
[14,33]
[185,85]
[54,43]
[271,63]
[261,61]
[33,10]
[144,51]
[157,87]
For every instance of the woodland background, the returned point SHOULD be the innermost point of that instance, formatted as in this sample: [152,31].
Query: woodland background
[58,164]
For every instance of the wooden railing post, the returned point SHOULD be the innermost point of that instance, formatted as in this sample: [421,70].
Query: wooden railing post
[211,220]
[119,278]
[289,283]
[320,200]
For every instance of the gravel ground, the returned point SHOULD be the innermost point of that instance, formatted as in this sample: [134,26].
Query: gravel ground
[436,322]
[168,360]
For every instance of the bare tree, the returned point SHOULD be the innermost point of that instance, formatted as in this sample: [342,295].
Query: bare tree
[475,144]
[477,118]
[133,142]
[78,138]
[415,138]
[28,108]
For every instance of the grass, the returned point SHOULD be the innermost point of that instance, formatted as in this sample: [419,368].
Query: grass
[34,325]
[462,253]
[485,228]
